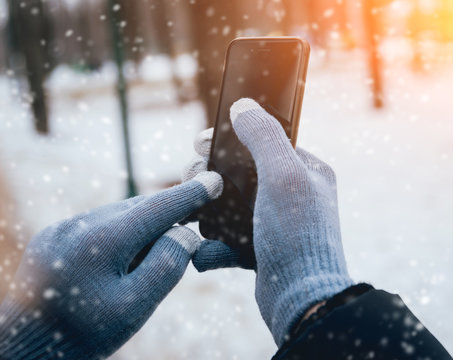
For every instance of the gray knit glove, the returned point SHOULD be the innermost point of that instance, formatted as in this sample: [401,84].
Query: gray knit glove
[297,239]
[73,296]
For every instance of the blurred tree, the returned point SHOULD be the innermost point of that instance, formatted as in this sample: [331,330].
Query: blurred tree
[3,46]
[155,26]
[299,14]
[179,26]
[371,12]
[30,35]
[264,17]
[91,35]
[80,36]
[118,46]
[135,29]
[416,30]
[179,31]
[62,22]
[317,19]
[215,24]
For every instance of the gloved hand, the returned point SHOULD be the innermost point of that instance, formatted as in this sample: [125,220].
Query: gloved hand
[73,297]
[297,240]
[212,254]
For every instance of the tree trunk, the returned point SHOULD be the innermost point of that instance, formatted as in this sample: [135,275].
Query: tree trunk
[33,34]
[371,23]
[215,24]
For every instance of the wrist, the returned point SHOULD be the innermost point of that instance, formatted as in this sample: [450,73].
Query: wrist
[313,310]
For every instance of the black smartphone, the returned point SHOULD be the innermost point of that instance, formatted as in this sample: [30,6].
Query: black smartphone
[272,71]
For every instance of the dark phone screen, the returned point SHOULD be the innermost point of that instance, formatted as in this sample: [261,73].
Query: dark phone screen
[266,71]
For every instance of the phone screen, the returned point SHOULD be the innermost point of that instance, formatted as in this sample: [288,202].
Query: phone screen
[266,71]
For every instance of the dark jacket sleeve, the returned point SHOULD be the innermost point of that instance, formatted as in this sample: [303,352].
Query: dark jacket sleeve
[362,323]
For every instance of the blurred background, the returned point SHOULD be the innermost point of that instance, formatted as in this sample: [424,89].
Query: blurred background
[101,100]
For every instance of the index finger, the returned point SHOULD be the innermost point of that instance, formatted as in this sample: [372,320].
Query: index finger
[154,215]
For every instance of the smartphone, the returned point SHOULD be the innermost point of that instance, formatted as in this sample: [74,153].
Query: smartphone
[272,71]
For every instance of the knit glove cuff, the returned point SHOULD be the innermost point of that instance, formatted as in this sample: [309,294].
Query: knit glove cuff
[27,333]
[289,305]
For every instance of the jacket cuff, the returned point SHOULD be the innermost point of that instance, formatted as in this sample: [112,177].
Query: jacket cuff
[342,298]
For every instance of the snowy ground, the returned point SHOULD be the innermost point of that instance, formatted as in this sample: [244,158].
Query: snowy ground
[394,168]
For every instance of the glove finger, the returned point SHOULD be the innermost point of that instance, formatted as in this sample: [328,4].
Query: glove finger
[109,209]
[151,217]
[202,143]
[196,166]
[137,295]
[315,164]
[214,254]
[265,138]
[164,265]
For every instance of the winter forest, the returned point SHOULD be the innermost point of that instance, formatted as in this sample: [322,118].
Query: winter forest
[101,100]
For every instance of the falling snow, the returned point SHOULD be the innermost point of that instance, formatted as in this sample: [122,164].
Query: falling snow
[394,170]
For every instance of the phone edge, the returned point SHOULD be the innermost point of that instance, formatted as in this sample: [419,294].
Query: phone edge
[300,91]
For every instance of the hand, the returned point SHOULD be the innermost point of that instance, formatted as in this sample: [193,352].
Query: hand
[212,254]
[73,297]
[297,239]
